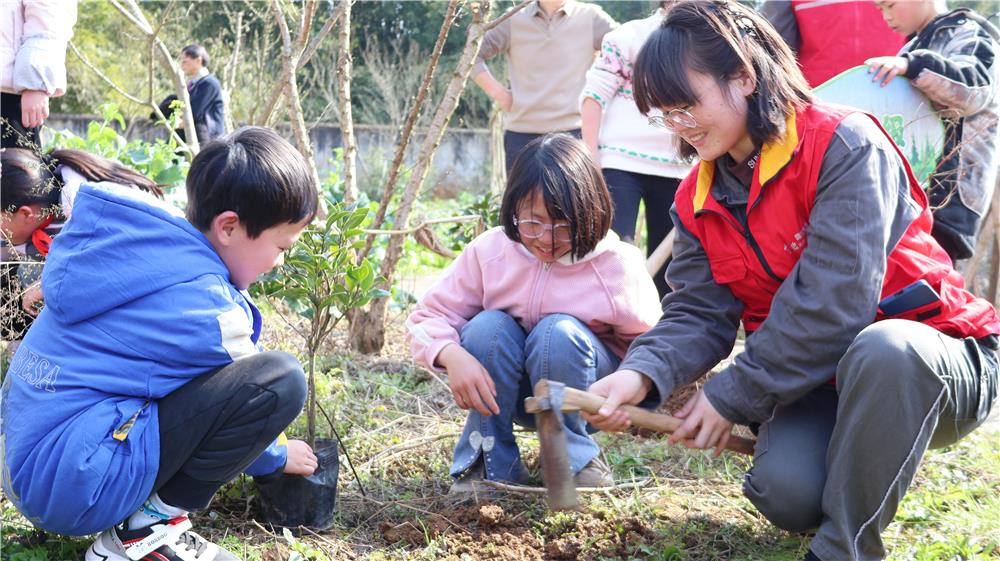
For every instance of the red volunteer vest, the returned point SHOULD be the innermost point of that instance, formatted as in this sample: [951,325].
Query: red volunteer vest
[781,198]
[835,36]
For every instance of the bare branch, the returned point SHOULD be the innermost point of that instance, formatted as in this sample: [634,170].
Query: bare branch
[344,69]
[104,76]
[507,15]
[389,189]
[229,70]
[368,335]
[498,165]
[163,17]
[288,61]
[134,14]
[323,32]
[125,94]
[304,55]
[424,224]
[305,25]
[141,24]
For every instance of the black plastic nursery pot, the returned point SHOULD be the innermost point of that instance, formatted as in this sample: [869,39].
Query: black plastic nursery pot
[290,501]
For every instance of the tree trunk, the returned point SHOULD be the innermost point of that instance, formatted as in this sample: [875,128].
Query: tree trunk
[311,401]
[995,262]
[498,159]
[368,335]
[411,120]
[989,233]
[289,63]
[344,66]
[228,71]
[305,54]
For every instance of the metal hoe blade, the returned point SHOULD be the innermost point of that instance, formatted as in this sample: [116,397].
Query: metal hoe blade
[556,473]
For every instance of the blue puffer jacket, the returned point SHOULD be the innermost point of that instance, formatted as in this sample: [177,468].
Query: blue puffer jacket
[137,304]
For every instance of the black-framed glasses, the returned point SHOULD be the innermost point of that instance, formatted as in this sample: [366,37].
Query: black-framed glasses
[533,229]
[674,120]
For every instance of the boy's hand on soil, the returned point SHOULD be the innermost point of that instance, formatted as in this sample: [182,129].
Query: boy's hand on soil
[621,387]
[301,460]
[470,383]
[703,426]
[886,68]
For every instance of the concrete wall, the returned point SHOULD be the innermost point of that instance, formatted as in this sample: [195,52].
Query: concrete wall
[460,164]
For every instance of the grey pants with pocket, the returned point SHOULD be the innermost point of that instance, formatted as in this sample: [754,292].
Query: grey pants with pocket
[840,459]
[216,425]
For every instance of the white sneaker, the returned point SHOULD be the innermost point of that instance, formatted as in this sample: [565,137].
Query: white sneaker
[169,540]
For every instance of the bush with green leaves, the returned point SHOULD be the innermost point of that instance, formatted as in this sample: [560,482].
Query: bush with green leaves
[158,160]
[322,282]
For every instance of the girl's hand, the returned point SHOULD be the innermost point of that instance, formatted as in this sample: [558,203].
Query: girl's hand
[703,427]
[621,387]
[34,108]
[31,300]
[887,67]
[470,383]
[301,460]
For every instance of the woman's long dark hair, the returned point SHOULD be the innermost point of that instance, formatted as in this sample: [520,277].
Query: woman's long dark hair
[27,178]
[725,40]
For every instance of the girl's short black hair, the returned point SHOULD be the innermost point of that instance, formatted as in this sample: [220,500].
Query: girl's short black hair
[560,168]
[255,173]
[723,39]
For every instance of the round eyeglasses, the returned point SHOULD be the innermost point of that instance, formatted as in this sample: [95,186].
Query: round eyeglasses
[674,120]
[533,229]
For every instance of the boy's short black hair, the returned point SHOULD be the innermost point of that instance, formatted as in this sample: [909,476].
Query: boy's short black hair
[255,173]
[195,50]
[560,168]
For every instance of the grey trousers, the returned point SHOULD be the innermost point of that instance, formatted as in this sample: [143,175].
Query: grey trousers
[840,459]
[216,425]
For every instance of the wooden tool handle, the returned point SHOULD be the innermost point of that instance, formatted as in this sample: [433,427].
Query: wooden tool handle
[643,418]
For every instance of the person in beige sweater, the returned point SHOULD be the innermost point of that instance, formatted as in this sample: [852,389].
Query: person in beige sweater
[549,44]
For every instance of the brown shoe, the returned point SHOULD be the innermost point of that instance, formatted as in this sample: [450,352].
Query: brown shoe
[595,474]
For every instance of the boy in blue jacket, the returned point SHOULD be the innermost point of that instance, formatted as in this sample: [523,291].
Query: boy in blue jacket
[140,388]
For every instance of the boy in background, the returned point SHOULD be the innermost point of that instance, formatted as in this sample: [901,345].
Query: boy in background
[951,59]
[140,388]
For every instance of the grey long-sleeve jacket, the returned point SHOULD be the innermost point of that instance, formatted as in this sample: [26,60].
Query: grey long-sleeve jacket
[862,209]
[953,62]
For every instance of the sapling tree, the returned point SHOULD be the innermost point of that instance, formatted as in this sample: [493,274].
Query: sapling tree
[321,281]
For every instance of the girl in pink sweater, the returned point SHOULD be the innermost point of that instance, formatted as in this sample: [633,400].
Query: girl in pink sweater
[551,293]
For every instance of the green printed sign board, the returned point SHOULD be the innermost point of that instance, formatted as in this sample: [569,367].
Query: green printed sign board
[904,112]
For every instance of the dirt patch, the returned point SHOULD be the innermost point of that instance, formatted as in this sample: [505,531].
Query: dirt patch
[480,532]
[488,532]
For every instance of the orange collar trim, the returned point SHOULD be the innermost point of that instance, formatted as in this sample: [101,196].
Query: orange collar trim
[773,157]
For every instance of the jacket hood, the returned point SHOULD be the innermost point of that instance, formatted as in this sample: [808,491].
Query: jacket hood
[121,244]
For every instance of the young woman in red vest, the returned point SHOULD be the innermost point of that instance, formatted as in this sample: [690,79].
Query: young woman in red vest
[801,221]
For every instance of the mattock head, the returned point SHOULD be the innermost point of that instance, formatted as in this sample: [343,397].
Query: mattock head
[560,490]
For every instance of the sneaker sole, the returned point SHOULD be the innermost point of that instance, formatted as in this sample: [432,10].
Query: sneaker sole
[98,552]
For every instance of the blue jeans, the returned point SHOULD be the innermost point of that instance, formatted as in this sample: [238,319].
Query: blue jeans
[559,348]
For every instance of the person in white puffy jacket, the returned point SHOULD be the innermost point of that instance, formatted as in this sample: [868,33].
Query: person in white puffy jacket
[33,39]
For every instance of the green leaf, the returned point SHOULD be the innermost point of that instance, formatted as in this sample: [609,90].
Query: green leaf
[170,176]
